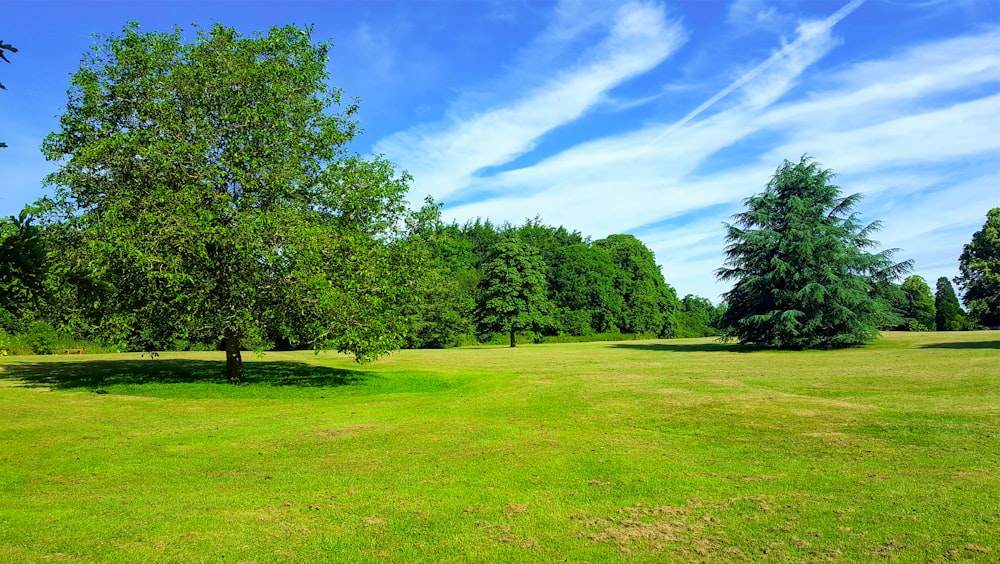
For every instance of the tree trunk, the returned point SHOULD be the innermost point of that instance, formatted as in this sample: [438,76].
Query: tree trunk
[513,341]
[234,360]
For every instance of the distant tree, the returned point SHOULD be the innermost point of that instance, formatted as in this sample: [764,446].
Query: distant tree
[582,288]
[3,57]
[697,317]
[919,303]
[513,292]
[893,306]
[441,316]
[648,302]
[949,315]
[803,276]
[481,236]
[208,184]
[979,272]
[23,267]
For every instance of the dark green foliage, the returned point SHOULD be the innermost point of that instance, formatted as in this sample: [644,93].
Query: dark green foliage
[949,315]
[441,317]
[23,267]
[513,290]
[697,317]
[979,272]
[919,309]
[582,288]
[803,277]
[648,302]
[586,286]
[3,56]
[207,184]
[42,338]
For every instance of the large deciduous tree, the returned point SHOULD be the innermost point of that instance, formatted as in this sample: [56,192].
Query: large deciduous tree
[582,289]
[800,263]
[979,272]
[918,302]
[513,290]
[649,302]
[207,181]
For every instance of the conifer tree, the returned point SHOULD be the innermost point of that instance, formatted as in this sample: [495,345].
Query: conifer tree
[800,261]
[949,315]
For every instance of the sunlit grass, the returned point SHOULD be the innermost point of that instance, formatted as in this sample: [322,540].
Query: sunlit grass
[635,451]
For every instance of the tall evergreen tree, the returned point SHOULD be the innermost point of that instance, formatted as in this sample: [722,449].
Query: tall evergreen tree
[949,315]
[979,272]
[800,263]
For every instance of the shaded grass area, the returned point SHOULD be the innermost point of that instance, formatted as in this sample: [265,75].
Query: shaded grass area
[101,374]
[179,375]
[655,451]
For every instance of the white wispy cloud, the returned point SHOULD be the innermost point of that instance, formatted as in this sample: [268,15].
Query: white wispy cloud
[640,177]
[445,157]
[914,131]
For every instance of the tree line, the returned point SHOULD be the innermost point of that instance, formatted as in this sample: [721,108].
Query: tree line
[204,196]
[488,282]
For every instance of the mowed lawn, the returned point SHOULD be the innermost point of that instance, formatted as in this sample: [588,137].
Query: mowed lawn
[649,451]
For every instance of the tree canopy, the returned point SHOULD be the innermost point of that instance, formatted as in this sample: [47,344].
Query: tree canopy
[800,263]
[649,303]
[209,184]
[514,290]
[949,315]
[920,312]
[979,272]
[23,266]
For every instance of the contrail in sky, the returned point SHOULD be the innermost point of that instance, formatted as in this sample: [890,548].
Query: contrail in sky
[752,73]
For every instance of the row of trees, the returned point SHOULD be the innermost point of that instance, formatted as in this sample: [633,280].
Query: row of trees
[204,194]
[921,310]
[486,280]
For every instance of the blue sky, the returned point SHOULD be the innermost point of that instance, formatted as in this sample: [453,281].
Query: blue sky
[651,118]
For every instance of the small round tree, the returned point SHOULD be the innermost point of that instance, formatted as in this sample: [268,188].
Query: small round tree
[800,263]
[919,303]
[513,291]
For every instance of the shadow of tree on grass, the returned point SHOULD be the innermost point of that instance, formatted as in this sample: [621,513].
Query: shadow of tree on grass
[686,347]
[963,345]
[100,373]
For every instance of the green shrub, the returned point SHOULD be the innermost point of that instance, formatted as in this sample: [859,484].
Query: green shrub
[42,338]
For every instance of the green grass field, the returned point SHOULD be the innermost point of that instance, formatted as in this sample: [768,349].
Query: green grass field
[647,451]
